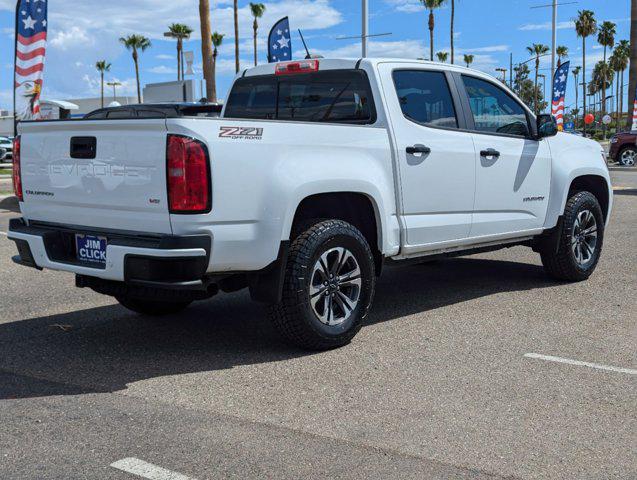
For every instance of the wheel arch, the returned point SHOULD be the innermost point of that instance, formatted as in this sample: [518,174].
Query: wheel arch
[596,185]
[354,207]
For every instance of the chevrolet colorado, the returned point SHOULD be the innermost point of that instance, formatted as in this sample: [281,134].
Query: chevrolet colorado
[317,174]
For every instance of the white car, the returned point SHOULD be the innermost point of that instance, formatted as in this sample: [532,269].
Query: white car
[317,173]
[6,149]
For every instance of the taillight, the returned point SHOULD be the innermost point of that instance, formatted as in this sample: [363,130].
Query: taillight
[188,171]
[303,66]
[17,173]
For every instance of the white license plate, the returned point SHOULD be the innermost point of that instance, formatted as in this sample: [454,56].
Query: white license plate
[90,248]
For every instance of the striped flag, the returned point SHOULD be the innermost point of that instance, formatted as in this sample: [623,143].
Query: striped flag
[634,127]
[559,93]
[30,51]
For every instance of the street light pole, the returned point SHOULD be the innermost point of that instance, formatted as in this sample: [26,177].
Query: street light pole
[365,27]
[554,38]
[114,85]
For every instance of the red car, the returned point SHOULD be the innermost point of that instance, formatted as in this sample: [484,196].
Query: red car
[623,148]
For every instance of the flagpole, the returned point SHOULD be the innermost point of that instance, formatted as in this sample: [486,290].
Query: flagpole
[15,60]
[554,36]
[365,9]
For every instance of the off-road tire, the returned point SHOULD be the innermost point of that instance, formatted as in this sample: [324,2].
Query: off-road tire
[153,308]
[293,316]
[557,256]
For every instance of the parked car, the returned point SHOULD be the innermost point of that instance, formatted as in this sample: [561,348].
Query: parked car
[623,148]
[6,149]
[157,110]
[317,174]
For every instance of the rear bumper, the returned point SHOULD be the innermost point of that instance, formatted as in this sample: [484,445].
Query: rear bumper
[161,260]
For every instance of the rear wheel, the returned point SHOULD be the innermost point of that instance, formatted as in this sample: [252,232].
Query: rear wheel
[155,308]
[627,157]
[328,287]
[576,251]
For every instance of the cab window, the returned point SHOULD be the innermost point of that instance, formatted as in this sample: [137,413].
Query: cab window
[494,110]
[424,97]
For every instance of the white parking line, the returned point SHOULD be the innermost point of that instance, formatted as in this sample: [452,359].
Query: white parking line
[569,361]
[3,233]
[147,470]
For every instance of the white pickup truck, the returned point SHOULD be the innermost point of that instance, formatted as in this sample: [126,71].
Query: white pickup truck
[317,173]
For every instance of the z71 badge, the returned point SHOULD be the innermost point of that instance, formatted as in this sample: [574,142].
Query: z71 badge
[241,133]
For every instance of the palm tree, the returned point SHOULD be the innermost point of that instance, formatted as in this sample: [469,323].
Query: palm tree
[576,71]
[562,52]
[181,32]
[432,5]
[585,26]
[618,64]
[623,52]
[135,43]
[257,10]
[236,36]
[102,66]
[442,56]
[468,59]
[538,50]
[453,18]
[206,49]
[606,38]
[217,40]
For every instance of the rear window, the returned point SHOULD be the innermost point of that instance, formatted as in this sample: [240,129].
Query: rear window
[334,96]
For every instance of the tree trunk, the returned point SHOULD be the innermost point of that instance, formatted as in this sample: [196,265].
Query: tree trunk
[632,72]
[255,27]
[431,35]
[617,110]
[584,84]
[206,50]
[178,59]
[139,90]
[214,72]
[537,101]
[453,16]
[236,36]
[576,96]
[621,96]
[603,109]
[102,88]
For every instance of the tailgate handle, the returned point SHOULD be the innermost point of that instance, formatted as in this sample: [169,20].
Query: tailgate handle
[83,147]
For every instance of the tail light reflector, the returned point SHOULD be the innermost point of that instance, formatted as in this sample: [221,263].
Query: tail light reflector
[17,171]
[290,68]
[188,172]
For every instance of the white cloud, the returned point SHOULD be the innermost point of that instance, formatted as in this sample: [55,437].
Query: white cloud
[165,57]
[162,69]
[546,26]
[75,37]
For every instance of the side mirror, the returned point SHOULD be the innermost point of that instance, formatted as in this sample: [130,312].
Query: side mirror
[546,126]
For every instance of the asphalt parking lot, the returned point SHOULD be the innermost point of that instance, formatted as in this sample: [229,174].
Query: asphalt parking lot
[452,378]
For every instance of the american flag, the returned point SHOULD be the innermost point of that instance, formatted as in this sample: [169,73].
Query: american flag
[30,51]
[559,92]
[634,126]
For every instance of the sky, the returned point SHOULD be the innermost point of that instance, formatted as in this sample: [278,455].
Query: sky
[83,32]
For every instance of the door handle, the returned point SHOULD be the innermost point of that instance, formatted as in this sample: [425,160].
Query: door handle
[418,149]
[490,152]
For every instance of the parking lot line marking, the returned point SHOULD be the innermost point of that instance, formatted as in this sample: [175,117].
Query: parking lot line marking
[579,363]
[147,470]
[3,233]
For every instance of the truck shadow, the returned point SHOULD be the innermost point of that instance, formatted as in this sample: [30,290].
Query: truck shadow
[105,348]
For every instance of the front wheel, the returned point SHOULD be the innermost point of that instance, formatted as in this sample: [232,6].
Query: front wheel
[576,251]
[328,287]
[627,157]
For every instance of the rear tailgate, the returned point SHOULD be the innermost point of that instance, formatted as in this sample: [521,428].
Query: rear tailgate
[118,184]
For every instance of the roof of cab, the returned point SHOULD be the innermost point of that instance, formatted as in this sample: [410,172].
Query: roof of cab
[341,63]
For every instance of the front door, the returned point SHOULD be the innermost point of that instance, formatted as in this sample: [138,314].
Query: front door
[513,172]
[436,161]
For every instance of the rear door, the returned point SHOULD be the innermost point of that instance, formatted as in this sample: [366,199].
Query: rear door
[513,171]
[436,160]
[102,174]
